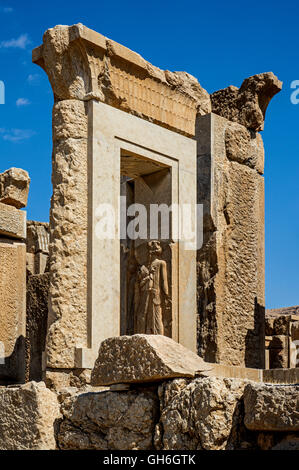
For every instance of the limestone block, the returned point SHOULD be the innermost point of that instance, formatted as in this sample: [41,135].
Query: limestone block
[202,414]
[244,146]
[144,358]
[37,237]
[57,379]
[68,235]
[109,420]
[12,222]
[269,325]
[27,418]
[295,331]
[14,187]
[13,310]
[247,105]
[279,352]
[36,323]
[271,407]
[231,261]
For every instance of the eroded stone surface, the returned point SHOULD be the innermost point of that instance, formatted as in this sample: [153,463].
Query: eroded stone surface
[202,414]
[244,146]
[13,310]
[12,222]
[14,187]
[36,323]
[82,64]
[247,105]
[28,417]
[68,235]
[109,420]
[231,260]
[271,407]
[144,358]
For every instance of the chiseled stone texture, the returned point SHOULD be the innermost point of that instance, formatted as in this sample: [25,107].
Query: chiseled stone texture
[59,379]
[83,64]
[205,413]
[278,320]
[28,417]
[68,235]
[14,187]
[13,310]
[36,324]
[12,222]
[109,420]
[271,407]
[231,261]
[144,358]
[247,105]
[244,146]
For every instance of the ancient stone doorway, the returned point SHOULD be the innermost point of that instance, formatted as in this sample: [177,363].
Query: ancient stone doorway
[146,188]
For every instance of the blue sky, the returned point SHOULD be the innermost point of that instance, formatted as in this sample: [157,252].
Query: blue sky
[220,43]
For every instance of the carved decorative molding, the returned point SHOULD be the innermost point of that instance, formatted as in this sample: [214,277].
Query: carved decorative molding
[82,64]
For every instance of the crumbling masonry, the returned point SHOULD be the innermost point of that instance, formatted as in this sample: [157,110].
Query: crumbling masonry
[224,369]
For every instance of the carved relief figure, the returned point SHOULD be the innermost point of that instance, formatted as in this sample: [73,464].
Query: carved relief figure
[151,293]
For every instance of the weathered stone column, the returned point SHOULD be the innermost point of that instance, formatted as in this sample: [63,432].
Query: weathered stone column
[14,187]
[231,297]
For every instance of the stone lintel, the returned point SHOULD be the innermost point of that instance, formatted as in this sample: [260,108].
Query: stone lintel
[109,72]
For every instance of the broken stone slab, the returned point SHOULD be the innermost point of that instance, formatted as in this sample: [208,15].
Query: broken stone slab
[144,358]
[244,146]
[14,187]
[200,414]
[12,222]
[247,105]
[108,420]
[271,407]
[13,310]
[27,418]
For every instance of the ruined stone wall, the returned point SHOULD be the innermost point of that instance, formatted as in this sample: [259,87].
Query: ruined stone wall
[231,262]
[282,337]
[231,287]
[14,189]
[84,67]
[182,414]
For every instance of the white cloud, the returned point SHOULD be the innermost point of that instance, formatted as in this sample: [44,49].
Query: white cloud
[22,102]
[20,43]
[16,135]
[33,77]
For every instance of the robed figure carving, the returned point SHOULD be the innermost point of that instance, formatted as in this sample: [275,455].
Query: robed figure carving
[151,293]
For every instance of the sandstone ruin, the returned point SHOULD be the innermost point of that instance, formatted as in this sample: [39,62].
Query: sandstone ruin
[159,326]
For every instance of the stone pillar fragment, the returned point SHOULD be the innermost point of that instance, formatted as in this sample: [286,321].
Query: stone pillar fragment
[231,261]
[14,186]
[37,247]
[68,299]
